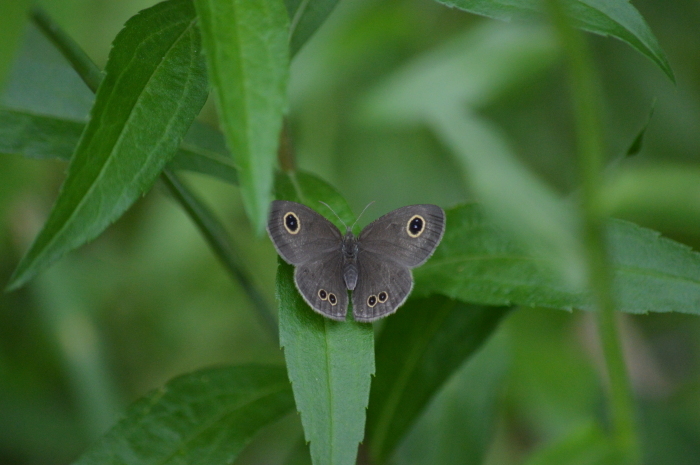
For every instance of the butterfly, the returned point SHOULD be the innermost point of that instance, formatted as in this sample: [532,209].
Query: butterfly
[375,266]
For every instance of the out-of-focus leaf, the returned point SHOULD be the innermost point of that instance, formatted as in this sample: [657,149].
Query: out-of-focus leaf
[478,263]
[458,425]
[655,195]
[419,348]
[206,417]
[330,363]
[306,16]
[636,145]
[472,69]
[155,85]
[37,136]
[519,202]
[585,445]
[248,59]
[299,455]
[12,23]
[616,18]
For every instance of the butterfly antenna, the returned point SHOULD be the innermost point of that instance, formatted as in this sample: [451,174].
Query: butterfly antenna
[336,215]
[363,210]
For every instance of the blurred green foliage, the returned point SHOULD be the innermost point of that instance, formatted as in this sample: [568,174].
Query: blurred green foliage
[147,300]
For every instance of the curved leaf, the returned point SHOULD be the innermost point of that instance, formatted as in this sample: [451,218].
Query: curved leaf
[206,417]
[306,16]
[330,363]
[616,18]
[248,59]
[155,85]
[478,263]
[418,350]
[37,136]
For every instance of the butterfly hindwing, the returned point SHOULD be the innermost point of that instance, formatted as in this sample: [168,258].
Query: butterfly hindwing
[320,282]
[382,286]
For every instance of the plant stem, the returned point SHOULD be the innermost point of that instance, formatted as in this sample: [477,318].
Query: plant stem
[587,104]
[209,226]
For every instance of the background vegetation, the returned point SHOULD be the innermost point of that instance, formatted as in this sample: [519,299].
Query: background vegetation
[390,101]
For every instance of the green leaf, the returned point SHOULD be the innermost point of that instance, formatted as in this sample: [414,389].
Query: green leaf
[458,425]
[473,69]
[616,18]
[248,61]
[419,348]
[655,195]
[36,136]
[12,25]
[206,417]
[330,363]
[306,16]
[155,85]
[636,145]
[585,445]
[515,198]
[476,262]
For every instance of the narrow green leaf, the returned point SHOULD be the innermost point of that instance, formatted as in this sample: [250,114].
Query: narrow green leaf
[155,85]
[472,69]
[458,425]
[636,145]
[330,363]
[656,195]
[616,18]
[419,348]
[306,16]
[36,136]
[476,262]
[587,444]
[519,202]
[248,58]
[12,23]
[206,417]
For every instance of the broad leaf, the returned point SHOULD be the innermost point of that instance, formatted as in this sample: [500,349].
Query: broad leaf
[458,425]
[155,85]
[616,18]
[419,348]
[330,363]
[585,445]
[248,58]
[306,16]
[477,262]
[206,417]
[36,136]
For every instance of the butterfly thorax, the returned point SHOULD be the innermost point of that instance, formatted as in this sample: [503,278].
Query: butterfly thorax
[350,249]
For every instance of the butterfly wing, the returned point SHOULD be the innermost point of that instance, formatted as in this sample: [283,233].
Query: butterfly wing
[382,286]
[306,239]
[407,235]
[388,248]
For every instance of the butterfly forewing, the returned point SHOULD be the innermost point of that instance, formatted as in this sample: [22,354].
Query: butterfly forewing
[407,235]
[299,233]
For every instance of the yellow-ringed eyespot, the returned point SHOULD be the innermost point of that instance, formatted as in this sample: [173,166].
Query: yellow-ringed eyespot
[332,299]
[372,300]
[292,223]
[382,297]
[415,226]
[322,294]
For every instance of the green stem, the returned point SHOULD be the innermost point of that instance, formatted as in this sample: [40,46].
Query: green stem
[209,226]
[587,104]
